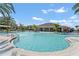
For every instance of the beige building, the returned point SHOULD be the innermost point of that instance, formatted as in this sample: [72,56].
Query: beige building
[49,27]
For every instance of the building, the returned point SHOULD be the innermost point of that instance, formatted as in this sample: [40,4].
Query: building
[49,27]
[3,27]
[46,27]
[65,29]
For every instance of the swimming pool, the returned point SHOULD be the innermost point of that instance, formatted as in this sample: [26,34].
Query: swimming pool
[42,41]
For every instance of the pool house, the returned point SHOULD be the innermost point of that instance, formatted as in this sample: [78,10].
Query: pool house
[50,28]
[46,27]
[3,27]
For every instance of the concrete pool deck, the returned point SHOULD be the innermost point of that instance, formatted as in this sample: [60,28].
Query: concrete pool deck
[72,50]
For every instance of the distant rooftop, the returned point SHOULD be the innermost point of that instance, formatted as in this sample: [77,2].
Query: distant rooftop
[47,25]
[4,26]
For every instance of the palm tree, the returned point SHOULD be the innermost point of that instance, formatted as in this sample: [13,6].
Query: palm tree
[6,9]
[56,27]
[77,28]
[8,22]
[34,27]
[76,8]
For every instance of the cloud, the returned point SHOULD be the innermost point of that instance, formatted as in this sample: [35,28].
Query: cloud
[60,10]
[53,21]
[66,22]
[44,11]
[57,21]
[74,17]
[62,21]
[37,18]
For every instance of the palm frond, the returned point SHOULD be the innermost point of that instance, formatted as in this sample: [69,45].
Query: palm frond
[75,6]
[76,11]
[6,9]
[10,5]
[2,12]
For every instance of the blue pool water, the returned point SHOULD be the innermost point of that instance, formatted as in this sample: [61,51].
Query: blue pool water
[42,41]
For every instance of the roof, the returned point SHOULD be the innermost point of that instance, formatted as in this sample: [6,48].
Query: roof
[64,27]
[46,25]
[4,26]
[50,25]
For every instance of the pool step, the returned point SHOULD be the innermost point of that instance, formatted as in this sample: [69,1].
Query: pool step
[3,42]
[4,45]
[6,48]
[8,53]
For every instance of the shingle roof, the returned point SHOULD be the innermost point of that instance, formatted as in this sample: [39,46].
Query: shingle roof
[4,26]
[45,25]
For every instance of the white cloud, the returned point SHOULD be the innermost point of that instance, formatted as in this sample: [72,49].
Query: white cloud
[37,18]
[60,10]
[44,11]
[50,10]
[67,24]
[74,17]
[53,21]
[57,21]
[63,21]
[70,23]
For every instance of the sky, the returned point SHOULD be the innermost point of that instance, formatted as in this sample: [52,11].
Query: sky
[39,13]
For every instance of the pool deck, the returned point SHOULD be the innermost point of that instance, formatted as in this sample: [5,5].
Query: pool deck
[72,50]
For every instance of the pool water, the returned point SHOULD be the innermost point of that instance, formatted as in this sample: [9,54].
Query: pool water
[42,41]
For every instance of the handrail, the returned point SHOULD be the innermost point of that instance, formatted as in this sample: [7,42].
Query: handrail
[17,37]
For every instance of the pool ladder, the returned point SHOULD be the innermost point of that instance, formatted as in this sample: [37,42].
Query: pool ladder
[17,38]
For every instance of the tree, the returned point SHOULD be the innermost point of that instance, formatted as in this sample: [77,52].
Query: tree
[56,27]
[9,22]
[21,27]
[6,9]
[34,27]
[76,8]
[77,28]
